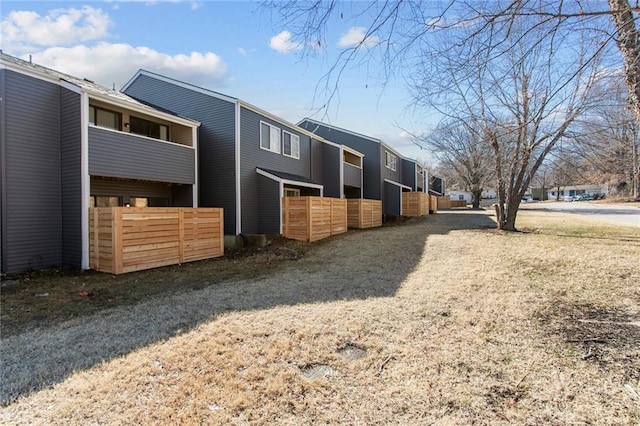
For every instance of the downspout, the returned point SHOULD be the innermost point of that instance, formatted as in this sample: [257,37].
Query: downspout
[3,172]
[194,188]
[237,171]
[85,178]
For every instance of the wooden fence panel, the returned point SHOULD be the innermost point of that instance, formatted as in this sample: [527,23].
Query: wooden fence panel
[415,204]
[126,239]
[458,203]
[444,202]
[433,204]
[313,218]
[364,213]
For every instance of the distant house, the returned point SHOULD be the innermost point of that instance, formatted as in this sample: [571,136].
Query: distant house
[460,196]
[568,192]
[386,173]
[68,144]
[249,158]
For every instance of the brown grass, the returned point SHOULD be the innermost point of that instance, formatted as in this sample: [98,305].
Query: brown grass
[440,320]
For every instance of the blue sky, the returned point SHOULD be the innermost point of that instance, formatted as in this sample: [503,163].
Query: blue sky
[234,47]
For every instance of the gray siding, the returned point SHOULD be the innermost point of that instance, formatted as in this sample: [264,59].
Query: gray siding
[31,185]
[71,177]
[391,203]
[317,161]
[269,200]
[216,138]
[372,175]
[387,173]
[352,175]
[331,163]
[117,154]
[252,156]
[409,174]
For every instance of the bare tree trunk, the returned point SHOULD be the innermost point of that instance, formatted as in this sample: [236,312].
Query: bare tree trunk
[629,48]
[477,193]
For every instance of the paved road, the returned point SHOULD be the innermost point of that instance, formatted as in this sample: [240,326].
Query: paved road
[620,214]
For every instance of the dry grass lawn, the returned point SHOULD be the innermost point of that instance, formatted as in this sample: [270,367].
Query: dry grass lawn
[441,320]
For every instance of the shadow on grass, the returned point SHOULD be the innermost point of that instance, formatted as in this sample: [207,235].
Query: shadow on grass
[354,266]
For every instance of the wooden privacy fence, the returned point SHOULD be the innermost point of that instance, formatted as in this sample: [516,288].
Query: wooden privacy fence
[458,203]
[126,239]
[415,204]
[364,213]
[433,204]
[313,218]
[444,202]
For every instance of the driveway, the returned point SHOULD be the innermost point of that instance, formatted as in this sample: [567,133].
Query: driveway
[620,214]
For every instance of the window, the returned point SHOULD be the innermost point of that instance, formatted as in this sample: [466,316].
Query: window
[139,202]
[290,144]
[291,192]
[105,118]
[389,161]
[269,138]
[143,127]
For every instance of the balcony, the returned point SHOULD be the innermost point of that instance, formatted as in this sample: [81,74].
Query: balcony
[113,153]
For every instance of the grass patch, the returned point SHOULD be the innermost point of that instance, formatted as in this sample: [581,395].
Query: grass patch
[439,320]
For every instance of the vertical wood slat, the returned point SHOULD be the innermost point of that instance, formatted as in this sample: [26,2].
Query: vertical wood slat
[364,213]
[415,204]
[313,218]
[144,238]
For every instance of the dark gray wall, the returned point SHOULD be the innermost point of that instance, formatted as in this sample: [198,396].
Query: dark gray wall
[216,138]
[372,175]
[268,195]
[252,157]
[116,154]
[71,177]
[31,219]
[178,195]
[396,175]
[409,173]
[331,163]
[391,202]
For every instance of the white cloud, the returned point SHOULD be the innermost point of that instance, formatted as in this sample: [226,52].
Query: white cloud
[24,30]
[356,36]
[109,64]
[242,51]
[282,43]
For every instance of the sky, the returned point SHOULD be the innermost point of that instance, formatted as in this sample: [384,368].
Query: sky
[237,48]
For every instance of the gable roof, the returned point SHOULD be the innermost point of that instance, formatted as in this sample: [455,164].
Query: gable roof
[94,90]
[359,135]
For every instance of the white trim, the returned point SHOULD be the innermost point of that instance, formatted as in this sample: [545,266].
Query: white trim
[290,182]
[85,179]
[70,86]
[281,190]
[291,136]
[194,187]
[271,132]
[397,184]
[179,83]
[352,133]
[342,163]
[237,170]
[352,151]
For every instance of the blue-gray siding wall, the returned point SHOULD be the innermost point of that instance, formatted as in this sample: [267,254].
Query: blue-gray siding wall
[71,177]
[372,174]
[117,154]
[216,138]
[409,174]
[391,203]
[317,163]
[268,196]
[252,157]
[387,173]
[31,217]
[331,163]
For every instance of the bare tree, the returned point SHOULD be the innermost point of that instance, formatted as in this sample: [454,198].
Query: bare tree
[608,140]
[469,161]
[520,68]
